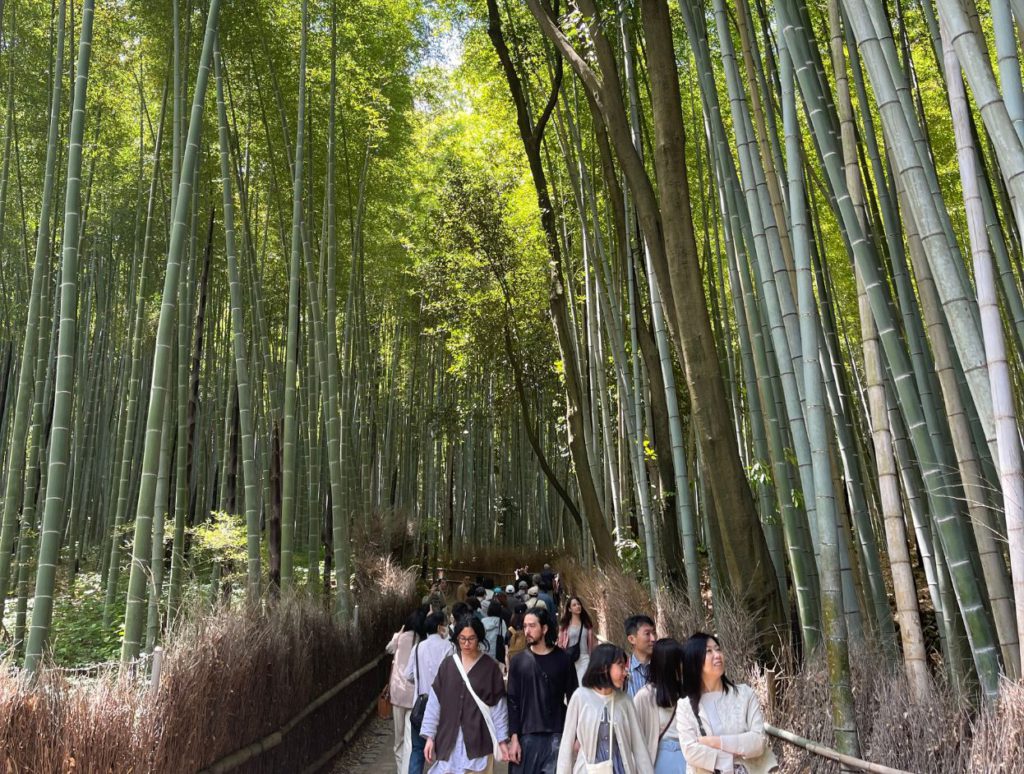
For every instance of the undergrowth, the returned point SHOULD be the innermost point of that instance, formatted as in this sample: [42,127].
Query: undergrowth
[230,678]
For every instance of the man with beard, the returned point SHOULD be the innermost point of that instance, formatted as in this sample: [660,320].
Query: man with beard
[541,679]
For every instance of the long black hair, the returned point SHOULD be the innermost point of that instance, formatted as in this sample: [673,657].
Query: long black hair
[584,615]
[599,670]
[695,651]
[416,621]
[666,673]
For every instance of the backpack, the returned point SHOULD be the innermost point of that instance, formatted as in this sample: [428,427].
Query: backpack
[499,644]
[516,642]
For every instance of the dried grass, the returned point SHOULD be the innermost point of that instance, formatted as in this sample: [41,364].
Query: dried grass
[229,679]
[999,733]
[895,730]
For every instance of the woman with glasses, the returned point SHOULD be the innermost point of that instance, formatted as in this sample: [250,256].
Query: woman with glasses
[720,725]
[466,720]
[600,723]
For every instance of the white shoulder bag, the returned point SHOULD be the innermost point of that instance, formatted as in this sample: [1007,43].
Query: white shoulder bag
[484,709]
[608,766]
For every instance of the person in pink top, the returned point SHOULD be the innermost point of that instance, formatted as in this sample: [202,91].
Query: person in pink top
[576,635]
[402,692]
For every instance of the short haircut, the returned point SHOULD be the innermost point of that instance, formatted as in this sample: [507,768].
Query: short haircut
[598,674]
[666,672]
[460,609]
[495,608]
[544,619]
[473,603]
[469,622]
[634,622]
[434,622]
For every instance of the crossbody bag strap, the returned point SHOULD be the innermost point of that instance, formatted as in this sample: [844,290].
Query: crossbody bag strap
[669,724]
[611,732]
[484,709]
[416,657]
[700,725]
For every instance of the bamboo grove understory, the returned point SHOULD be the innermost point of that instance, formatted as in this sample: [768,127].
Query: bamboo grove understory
[719,292]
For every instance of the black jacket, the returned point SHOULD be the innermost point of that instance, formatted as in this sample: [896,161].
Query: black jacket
[537,698]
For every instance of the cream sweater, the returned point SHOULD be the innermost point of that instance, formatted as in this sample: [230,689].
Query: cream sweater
[583,722]
[740,726]
[653,719]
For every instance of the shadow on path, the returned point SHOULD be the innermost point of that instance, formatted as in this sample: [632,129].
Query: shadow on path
[371,752]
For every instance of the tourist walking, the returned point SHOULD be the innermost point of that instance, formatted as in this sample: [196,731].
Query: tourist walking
[402,692]
[602,720]
[656,706]
[720,724]
[516,637]
[541,680]
[641,635]
[466,720]
[576,635]
[544,595]
[533,600]
[424,661]
[494,632]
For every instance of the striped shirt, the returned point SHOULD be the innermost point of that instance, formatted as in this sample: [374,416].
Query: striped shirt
[638,673]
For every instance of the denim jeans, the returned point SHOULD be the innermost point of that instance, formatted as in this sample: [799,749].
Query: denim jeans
[416,754]
[670,758]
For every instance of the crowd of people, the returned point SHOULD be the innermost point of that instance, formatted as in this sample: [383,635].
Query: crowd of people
[500,676]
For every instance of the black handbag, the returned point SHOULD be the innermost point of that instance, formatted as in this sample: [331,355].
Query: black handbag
[419,708]
[574,649]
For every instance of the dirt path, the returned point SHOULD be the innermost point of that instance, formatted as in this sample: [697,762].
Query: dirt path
[371,752]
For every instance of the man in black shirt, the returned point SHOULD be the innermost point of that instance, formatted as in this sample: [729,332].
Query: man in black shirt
[541,679]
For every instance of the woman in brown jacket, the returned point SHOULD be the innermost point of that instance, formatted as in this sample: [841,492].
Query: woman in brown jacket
[466,720]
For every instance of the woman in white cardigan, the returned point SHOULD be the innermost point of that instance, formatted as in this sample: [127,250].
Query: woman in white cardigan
[720,724]
[657,704]
[601,723]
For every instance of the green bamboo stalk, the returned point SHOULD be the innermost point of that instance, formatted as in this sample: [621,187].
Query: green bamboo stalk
[249,474]
[135,607]
[15,466]
[56,485]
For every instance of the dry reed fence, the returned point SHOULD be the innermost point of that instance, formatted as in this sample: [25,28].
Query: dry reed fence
[229,679]
[941,736]
[499,562]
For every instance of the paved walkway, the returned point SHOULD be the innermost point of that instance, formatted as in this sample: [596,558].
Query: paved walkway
[371,752]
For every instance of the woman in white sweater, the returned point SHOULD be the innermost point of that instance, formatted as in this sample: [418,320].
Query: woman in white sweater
[720,724]
[657,704]
[601,723]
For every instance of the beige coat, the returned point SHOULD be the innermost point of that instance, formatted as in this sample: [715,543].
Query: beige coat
[403,693]
[582,723]
[741,726]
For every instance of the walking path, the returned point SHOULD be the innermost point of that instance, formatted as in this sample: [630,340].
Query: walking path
[371,752]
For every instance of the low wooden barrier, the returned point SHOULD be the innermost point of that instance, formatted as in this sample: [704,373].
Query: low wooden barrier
[272,740]
[828,752]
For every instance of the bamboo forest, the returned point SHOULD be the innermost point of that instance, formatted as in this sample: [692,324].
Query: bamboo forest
[310,307]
